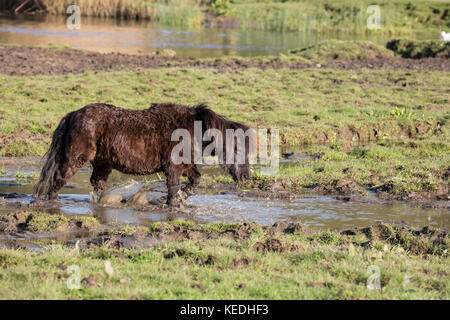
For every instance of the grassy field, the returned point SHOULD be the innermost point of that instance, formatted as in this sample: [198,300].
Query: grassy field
[289,264]
[380,129]
[385,130]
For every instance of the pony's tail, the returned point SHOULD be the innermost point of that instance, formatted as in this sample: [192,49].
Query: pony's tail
[47,177]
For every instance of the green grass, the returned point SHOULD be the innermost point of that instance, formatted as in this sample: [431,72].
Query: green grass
[396,176]
[326,266]
[397,17]
[359,102]
[288,261]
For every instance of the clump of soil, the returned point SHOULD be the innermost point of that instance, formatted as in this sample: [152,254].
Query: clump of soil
[420,49]
[203,260]
[14,222]
[40,222]
[119,241]
[289,228]
[427,240]
[342,187]
[127,230]
[380,232]
[243,262]
[273,245]
[339,49]
[243,231]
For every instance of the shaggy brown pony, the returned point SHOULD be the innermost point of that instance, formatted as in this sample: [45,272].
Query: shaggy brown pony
[131,141]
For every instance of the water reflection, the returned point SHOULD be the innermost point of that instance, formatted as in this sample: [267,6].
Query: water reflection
[110,35]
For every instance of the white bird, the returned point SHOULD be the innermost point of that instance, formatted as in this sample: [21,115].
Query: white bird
[109,269]
[445,36]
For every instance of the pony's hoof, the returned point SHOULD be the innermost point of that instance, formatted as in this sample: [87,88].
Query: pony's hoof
[176,202]
[188,192]
[182,195]
[93,197]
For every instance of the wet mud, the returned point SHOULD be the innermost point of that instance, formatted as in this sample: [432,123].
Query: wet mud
[420,241]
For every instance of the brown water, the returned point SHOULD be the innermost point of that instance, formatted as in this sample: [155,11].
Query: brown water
[110,35]
[313,210]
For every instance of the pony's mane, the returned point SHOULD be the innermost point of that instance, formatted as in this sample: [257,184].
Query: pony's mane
[201,112]
[212,120]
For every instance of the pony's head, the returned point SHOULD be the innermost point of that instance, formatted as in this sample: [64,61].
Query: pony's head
[238,142]
[238,163]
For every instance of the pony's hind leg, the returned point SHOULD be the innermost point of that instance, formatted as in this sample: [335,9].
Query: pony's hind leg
[77,155]
[100,176]
[64,173]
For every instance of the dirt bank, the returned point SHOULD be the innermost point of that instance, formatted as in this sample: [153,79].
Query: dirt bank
[46,61]
[31,225]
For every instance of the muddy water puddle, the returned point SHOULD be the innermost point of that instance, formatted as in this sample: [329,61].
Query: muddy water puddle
[312,210]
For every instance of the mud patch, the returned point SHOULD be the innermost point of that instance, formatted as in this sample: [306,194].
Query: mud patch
[119,241]
[273,245]
[242,232]
[243,262]
[43,61]
[342,187]
[289,228]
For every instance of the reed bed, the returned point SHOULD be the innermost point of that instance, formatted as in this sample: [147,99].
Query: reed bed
[182,12]
[349,16]
[398,17]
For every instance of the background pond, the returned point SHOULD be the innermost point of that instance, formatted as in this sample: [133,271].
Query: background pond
[110,35]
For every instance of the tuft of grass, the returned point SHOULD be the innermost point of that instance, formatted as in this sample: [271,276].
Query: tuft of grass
[339,49]
[44,222]
[419,49]
[127,230]
[215,228]
[41,222]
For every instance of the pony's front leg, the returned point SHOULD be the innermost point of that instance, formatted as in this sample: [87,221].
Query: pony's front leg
[173,174]
[194,179]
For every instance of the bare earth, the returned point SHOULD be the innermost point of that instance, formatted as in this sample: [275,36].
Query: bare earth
[24,61]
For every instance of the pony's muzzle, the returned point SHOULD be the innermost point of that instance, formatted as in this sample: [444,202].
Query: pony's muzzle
[241,177]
